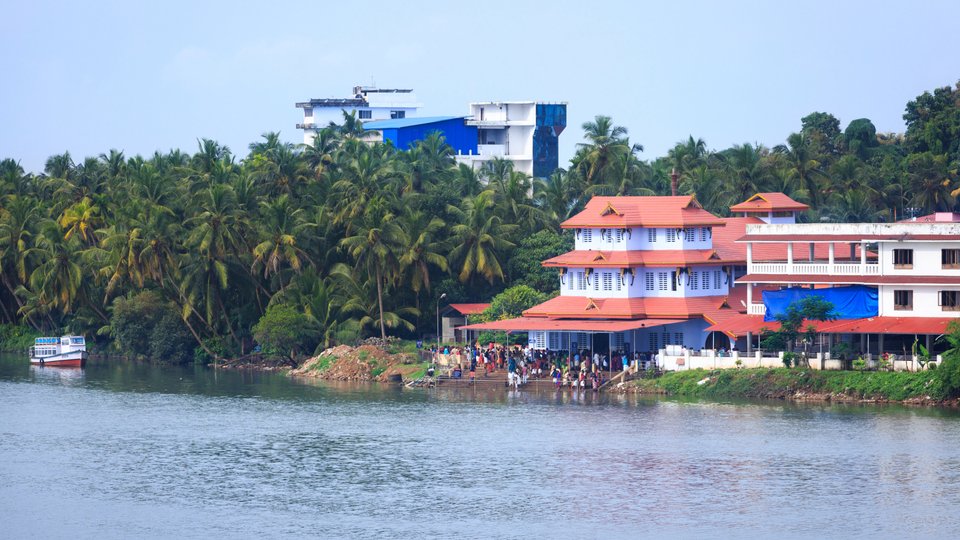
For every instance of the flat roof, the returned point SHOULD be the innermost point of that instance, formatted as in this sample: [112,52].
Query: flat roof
[407,122]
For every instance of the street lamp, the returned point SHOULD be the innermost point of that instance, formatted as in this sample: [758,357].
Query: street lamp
[442,296]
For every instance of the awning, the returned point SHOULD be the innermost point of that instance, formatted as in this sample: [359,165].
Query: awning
[740,325]
[525,324]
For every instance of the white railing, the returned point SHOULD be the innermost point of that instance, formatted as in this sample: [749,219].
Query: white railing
[491,149]
[756,309]
[815,269]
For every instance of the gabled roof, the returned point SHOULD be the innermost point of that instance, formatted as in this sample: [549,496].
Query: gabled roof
[678,211]
[740,324]
[469,309]
[768,202]
[621,259]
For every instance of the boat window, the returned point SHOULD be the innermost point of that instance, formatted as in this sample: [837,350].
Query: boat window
[77,341]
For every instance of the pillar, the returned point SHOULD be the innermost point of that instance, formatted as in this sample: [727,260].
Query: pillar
[749,256]
[790,257]
[830,259]
[863,259]
[813,252]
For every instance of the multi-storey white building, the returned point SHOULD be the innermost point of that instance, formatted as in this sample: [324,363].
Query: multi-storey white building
[649,272]
[369,103]
[524,132]
[644,274]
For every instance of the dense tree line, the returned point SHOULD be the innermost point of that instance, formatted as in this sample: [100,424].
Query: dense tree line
[356,239]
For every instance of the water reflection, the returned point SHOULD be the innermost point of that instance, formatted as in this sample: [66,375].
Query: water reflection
[137,450]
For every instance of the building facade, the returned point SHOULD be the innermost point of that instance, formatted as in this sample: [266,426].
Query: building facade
[368,103]
[524,132]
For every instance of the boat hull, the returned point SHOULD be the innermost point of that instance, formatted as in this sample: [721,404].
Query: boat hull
[76,359]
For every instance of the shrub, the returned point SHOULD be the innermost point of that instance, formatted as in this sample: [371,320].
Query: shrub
[284,331]
[146,326]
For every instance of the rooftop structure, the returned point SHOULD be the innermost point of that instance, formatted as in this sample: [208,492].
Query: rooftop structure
[369,103]
[403,133]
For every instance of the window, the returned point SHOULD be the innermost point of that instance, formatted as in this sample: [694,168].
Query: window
[365,115]
[950,300]
[671,235]
[587,236]
[673,280]
[538,340]
[619,280]
[581,281]
[617,341]
[703,234]
[554,339]
[569,277]
[950,258]
[608,281]
[903,258]
[690,234]
[596,281]
[716,279]
[649,281]
[307,112]
[619,236]
[652,236]
[662,278]
[606,235]
[666,339]
[398,114]
[694,281]
[903,300]
[678,338]
[654,342]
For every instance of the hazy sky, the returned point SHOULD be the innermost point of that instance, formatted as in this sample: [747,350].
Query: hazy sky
[90,76]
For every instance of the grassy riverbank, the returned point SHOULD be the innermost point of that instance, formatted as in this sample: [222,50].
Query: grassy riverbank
[782,383]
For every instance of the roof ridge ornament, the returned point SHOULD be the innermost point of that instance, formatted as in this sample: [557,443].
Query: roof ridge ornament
[609,209]
[591,305]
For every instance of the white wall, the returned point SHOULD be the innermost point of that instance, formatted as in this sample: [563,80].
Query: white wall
[926,301]
[926,258]
[570,283]
[640,239]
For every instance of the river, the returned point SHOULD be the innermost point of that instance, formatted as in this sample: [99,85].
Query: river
[130,450]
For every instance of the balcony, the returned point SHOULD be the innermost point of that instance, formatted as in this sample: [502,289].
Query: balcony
[756,309]
[491,149]
[308,125]
[815,268]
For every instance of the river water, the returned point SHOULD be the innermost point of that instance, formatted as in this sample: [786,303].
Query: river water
[126,450]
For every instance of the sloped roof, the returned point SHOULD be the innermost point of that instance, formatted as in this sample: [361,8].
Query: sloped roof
[768,202]
[677,211]
[524,324]
[740,324]
[470,309]
[725,242]
[621,259]
[628,308]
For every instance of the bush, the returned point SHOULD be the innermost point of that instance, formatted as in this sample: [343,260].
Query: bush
[284,331]
[146,326]
[16,338]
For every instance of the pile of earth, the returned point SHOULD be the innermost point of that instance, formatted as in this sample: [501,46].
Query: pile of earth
[363,363]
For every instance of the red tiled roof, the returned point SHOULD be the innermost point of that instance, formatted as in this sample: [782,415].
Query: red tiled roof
[470,309]
[678,211]
[728,242]
[621,259]
[524,324]
[768,202]
[628,308]
[741,324]
[865,280]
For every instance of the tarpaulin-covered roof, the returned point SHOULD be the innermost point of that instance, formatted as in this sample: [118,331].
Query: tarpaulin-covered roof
[851,302]
[628,308]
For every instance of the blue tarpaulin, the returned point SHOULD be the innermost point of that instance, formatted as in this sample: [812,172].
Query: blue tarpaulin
[852,302]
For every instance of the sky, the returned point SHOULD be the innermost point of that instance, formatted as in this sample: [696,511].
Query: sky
[86,77]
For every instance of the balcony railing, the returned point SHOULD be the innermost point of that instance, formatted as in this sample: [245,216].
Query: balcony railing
[756,309]
[492,149]
[816,268]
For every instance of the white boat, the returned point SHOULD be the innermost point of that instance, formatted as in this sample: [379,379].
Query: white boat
[66,351]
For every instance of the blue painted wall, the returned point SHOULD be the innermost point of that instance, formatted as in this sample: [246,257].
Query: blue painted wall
[461,137]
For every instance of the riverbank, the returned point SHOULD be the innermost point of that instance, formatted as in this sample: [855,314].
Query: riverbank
[363,363]
[920,388]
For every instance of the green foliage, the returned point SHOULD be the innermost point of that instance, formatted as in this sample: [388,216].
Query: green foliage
[784,383]
[811,308]
[284,331]
[511,303]
[147,326]
[525,265]
[949,371]
[14,337]
[860,364]
[790,358]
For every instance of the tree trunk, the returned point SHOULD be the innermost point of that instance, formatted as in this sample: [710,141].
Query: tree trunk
[199,341]
[383,331]
[226,316]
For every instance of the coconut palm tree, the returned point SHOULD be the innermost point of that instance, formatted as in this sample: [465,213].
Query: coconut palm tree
[479,239]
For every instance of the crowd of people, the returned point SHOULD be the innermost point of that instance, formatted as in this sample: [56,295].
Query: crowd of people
[577,370]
